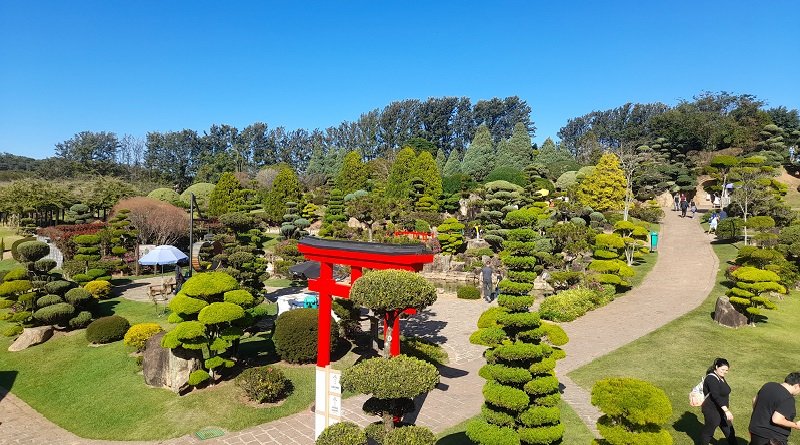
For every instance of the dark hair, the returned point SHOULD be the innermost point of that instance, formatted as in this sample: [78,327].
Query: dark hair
[718,362]
[793,378]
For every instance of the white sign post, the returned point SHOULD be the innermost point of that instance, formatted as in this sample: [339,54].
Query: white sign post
[328,406]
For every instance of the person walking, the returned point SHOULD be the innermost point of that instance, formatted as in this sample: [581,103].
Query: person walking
[684,208]
[716,412]
[677,205]
[712,222]
[693,208]
[487,282]
[773,412]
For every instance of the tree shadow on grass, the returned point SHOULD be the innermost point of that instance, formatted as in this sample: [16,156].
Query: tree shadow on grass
[104,308]
[7,379]
[459,438]
[688,424]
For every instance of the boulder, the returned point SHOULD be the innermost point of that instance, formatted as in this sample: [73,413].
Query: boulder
[168,368]
[441,263]
[355,224]
[726,315]
[477,243]
[457,266]
[31,337]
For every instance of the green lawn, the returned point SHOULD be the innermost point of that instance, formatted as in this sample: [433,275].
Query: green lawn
[676,356]
[575,431]
[97,392]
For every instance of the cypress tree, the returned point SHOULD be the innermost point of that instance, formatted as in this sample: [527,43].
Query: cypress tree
[453,164]
[316,165]
[479,158]
[353,175]
[516,151]
[399,182]
[425,169]
[440,159]
[221,200]
[285,188]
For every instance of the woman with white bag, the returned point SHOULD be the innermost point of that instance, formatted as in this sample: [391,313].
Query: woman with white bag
[715,407]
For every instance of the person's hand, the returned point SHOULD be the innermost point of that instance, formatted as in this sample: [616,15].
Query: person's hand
[729,416]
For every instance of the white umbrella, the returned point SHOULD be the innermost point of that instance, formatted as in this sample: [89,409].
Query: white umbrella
[161,255]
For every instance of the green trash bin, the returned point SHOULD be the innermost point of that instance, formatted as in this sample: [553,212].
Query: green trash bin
[653,241]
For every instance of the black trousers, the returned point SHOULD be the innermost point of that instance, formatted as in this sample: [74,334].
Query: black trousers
[757,440]
[714,417]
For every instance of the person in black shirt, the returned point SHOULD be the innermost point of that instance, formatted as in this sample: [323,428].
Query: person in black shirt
[773,412]
[715,407]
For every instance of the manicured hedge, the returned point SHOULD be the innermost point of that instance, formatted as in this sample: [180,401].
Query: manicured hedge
[468,292]
[107,329]
[410,435]
[58,287]
[81,320]
[78,296]
[295,335]
[138,334]
[48,300]
[57,314]
[342,433]
[263,384]
[99,288]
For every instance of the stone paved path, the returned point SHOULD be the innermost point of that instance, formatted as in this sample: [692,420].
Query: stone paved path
[685,252]
[457,398]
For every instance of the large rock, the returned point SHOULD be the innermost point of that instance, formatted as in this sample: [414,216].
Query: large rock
[31,337]
[477,243]
[666,200]
[168,368]
[441,263]
[726,315]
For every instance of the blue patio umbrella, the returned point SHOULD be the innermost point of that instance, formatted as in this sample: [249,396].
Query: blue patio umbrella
[161,255]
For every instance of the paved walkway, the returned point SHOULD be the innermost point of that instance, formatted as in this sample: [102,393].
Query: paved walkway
[685,252]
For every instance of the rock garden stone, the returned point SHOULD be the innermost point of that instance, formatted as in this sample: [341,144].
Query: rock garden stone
[31,337]
[167,368]
[726,315]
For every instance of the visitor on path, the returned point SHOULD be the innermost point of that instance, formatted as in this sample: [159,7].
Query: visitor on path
[774,411]
[715,407]
[712,222]
[178,279]
[684,208]
[677,205]
[487,282]
[693,208]
[715,202]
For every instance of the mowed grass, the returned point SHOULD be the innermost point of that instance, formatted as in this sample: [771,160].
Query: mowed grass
[99,393]
[575,431]
[676,356]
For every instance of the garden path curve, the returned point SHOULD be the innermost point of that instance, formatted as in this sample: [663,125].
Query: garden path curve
[684,274]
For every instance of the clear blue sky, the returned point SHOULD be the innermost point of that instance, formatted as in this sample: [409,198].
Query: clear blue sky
[137,66]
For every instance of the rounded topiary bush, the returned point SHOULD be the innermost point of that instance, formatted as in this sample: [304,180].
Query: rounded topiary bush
[98,288]
[48,300]
[198,377]
[17,273]
[58,287]
[410,435]
[342,433]
[31,251]
[81,320]
[81,278]
[78,296]
[240,297]
[45,265]
[57,314]
[96,274]
[295,335]
[107,329]
[209,285]
[14,252]
[165,194]
[263,384]
[468,292]
[138,334]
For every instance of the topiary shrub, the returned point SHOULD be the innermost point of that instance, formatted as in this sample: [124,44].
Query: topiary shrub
[13,330]
[185,306]
[15,245]
[45,265]
[58,287]
[634,412]
[263,384]
[48,300]
[57,314]
[81,320]
[15,274]
[468,292]
[410,435]
[32,251]
[295,335]
[98,288]
[107,329]
[5,304]
[342,433]
[423,350]
[96,274]
[78,297]
[569,304]
[209,285]
[198,377]
[139,333]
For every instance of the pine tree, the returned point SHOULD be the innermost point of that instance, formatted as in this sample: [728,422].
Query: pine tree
[316,165]
[453,164]
[425,169]
[335,210]
[399,182]
[222,199]
[353,175]
[604,188]
[515,151]
[440,159]
[479,158]
[333,162]
[550,153]
[285,188]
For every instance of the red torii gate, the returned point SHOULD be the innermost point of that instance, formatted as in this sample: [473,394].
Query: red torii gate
[357,255]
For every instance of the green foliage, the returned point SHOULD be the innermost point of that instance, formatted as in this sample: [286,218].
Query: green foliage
[198,377]
[392,290]
[99,288]
[295,335]
[220,312]
[453,165]
[185,306]
[10,289]
[410,435]
[604,188]
[202,194]
[17,273]
[450,234]
[380,377]
[221,200]
[83,319]
[13,330]
[479,157]
[48,300]
[138,334]
[166,194]
[634,411]
[57,314]
[343,433]
[353,174]
[483,433]
[569,304]
[423,350]
[187,334]
[58,287]
[509,174]
[239,297]
[107,329]
[209,286]
[468,292]
[263,384]
[32,251]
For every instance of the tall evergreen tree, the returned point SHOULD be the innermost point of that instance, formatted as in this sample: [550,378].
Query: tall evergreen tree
[222,199]
[285,188]
[440,159]
[316,165]
[353,175]
[453,164]
[425,169]
[398,184]
[517,150]
[479,158]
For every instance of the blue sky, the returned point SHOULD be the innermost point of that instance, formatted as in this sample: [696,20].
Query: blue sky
[134,67]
